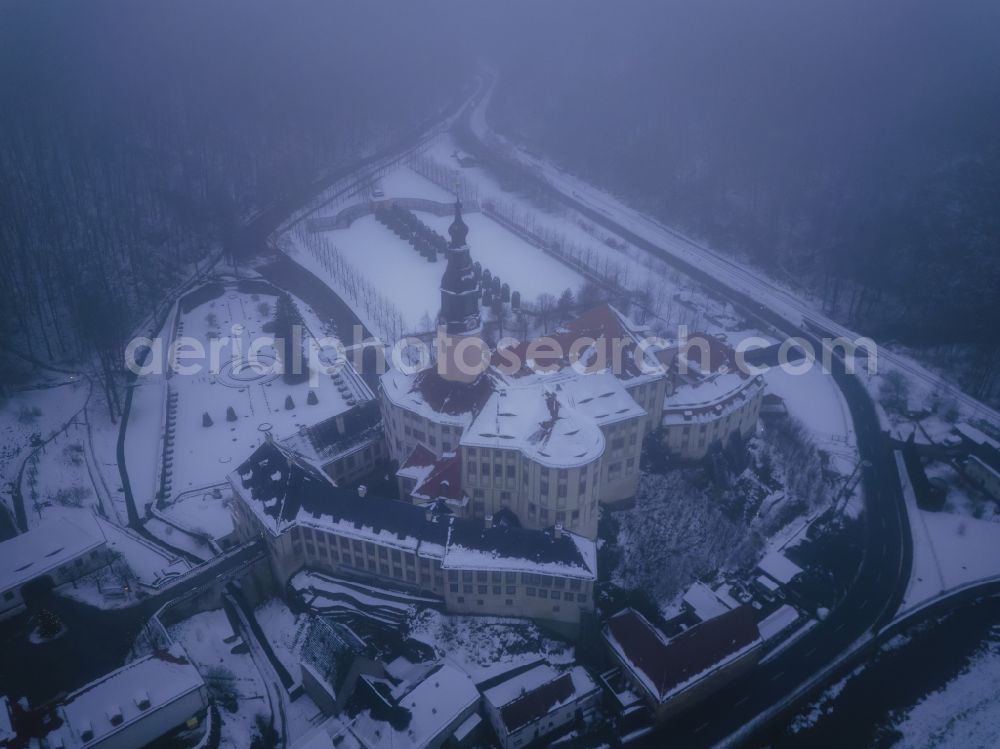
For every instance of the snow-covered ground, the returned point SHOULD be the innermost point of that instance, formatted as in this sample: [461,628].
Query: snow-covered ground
[485,646]
[949,549]
[963,713]
[203,456]
[204,637]
[815,400]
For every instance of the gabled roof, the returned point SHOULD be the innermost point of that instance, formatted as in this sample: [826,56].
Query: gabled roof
[45,547]
[282,490]
[606,326]
[535,704]
[540,424]
[429,394]
[339,435]
[443,481]
[473,546]
[666,667]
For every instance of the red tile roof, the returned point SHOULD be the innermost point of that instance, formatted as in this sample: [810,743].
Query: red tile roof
[667,664]
[601,323]
[452,398]
[444,481]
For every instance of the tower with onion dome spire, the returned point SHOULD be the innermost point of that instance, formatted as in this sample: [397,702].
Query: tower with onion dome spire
[461,355]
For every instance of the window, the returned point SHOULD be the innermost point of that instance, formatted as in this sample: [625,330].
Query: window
[543,515]
[383,553]
[617,443]
[446,446]
[532,509]
[8,595]
[461,599]
[556,595]
[478,507]
[481,576]
[505,498]
[581,597]
[481,589]
[511,471]
[509,602]
[543,593]
[497,590]
[479,602]
[511,590]
[545,488]
[561,516]
[466,587]
[530,592]
[467,576]
[561,491]
[496,577]
[510,577]
[485,468]
[396,556]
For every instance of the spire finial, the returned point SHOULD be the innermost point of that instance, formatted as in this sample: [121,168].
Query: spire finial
[458,230]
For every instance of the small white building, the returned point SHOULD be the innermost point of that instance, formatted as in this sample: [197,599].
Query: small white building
[438,705]
[133,706]
[538,702]
[54,552]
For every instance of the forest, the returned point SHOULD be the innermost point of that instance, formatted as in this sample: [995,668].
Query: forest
[138,139]
[849,149]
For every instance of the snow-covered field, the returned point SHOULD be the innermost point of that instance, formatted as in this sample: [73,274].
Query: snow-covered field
[407,281]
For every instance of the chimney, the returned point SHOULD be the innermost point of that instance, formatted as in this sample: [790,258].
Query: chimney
[428,514]
[557,531]
[362,490]
[488,521]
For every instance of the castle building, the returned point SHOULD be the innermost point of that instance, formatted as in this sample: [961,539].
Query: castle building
[711,401]
[543,435]
[474,566]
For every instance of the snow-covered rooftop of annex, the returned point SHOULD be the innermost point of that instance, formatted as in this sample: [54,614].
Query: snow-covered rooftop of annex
[666,667]
[541,423]
[46,547]
[434,705]
[534,703]
[130,692]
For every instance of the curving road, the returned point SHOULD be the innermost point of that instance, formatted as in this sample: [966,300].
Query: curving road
[732,715]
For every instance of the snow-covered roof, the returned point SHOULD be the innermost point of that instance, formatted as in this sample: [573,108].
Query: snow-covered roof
[704,602]
[976,436]
[45,547]
[433,705]
[615,347]
[283,490]
[473,546]
[111,703]
[543,699]
[777,622]
[338,435]
[779,567]
[539,423]
[430,396]
[714,397]
[665,666]
[512,688]
[600,396]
